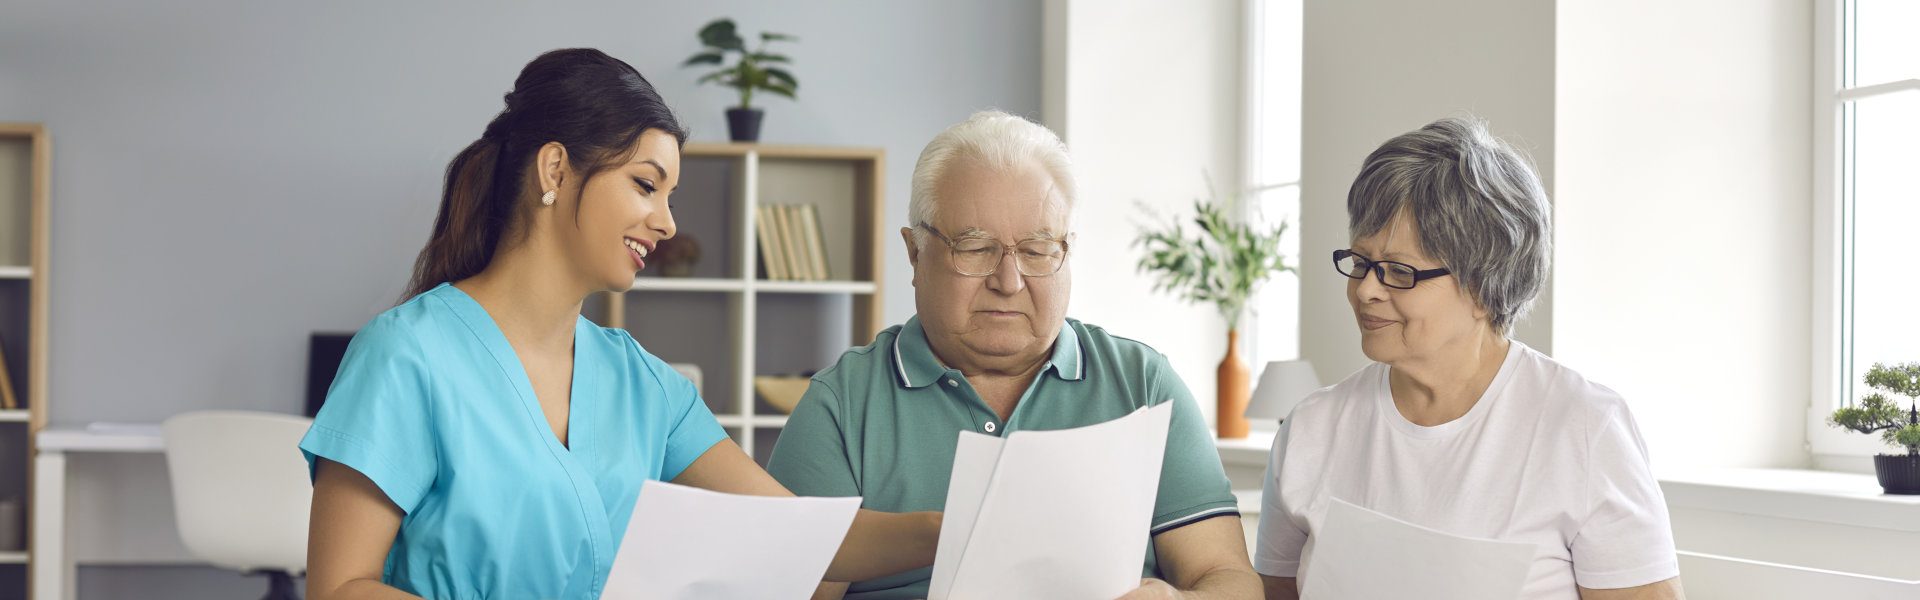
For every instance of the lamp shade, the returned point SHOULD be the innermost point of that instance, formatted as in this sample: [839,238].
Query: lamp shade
[1283,384]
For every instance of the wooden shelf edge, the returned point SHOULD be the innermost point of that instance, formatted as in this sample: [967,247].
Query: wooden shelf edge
[725,149]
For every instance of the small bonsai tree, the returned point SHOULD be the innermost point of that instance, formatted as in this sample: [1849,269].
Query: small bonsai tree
[751,71]
[1223,263]
[1878,414]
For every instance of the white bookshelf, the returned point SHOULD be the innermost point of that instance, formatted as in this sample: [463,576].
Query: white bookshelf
[731,321]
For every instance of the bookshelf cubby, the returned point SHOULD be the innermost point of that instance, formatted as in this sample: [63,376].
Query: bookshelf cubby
[730,320]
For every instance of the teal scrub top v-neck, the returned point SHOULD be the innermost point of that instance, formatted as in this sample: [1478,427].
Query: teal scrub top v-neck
[432,404]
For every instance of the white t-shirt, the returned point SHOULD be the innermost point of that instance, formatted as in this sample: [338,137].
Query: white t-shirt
[1544,457]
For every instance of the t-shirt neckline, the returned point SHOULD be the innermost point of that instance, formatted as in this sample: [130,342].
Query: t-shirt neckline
[1383,399]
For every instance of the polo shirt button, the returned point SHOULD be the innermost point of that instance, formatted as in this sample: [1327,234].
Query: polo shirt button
[952,383]
[989,426]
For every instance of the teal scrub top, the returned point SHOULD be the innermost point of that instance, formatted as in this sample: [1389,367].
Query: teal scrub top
[432,404]
[883,422]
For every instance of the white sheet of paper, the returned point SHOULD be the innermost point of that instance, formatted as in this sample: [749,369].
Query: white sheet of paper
[685,542]
[1359,554]
[1051,515]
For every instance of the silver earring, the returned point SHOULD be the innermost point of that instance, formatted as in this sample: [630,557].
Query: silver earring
[547,198]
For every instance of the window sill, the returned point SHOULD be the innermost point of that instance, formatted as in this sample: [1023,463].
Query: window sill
[1818,496]
[1250,451]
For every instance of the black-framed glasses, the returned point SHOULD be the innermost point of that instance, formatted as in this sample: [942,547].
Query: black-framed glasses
[1396,275]
[979,256]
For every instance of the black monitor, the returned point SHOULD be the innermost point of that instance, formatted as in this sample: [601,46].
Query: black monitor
[323,360]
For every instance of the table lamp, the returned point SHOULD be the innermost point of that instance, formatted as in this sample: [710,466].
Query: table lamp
[1282,385]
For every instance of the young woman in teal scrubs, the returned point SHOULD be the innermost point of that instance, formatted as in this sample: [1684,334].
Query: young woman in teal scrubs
[482,439]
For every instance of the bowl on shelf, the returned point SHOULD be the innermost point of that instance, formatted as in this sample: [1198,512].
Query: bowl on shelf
[781,392]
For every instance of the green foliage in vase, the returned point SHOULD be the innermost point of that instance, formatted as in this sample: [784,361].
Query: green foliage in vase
[751,71]
[1221,260]
[1875,413]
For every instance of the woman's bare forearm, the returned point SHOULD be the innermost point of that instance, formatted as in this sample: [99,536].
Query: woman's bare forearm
[357,589]
[881,544]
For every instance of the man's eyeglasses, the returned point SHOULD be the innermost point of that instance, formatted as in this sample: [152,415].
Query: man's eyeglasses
[979,256]
[1396,275]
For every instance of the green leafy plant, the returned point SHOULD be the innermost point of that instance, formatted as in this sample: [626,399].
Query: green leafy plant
[1877,413]
[1224,262]
[751,71]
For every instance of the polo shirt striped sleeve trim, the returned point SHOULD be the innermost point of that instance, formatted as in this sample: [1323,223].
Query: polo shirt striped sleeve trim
[1177,523]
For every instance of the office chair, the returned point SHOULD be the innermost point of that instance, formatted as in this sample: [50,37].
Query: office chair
[241,495]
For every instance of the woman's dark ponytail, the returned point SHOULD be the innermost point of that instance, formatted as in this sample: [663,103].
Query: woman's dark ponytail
[593,104]
[465,234]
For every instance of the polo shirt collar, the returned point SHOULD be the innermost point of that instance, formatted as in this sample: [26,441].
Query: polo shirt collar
[914,365]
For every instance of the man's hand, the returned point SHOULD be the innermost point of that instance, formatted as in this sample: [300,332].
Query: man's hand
[1153,589]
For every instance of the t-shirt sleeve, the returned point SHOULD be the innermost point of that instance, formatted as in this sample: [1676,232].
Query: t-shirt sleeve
[1193,484]
[1277,550]
[811,456]
[692,430]
[1626,539]
[378,416]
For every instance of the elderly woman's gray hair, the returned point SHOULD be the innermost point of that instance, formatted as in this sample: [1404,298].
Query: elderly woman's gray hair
[992,139]
[1479,208]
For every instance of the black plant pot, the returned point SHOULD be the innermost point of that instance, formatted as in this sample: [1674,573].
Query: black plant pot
[1899,473]
[743,124]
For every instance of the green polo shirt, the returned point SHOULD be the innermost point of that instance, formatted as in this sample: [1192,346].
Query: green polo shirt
[882,424]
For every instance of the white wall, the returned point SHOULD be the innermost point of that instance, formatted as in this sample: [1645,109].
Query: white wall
[1147,94]
[1377,68]
[1684,165]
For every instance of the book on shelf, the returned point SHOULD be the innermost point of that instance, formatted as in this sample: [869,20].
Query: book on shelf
[790,243]
[7,400]
[816,245]
[767,231]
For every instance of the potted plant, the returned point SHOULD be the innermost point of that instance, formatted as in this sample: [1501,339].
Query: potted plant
[752,71]
[1222,263]
[1898,473]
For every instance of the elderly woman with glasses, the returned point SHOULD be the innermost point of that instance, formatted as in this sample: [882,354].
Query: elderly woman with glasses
[1456,430]
[991,350]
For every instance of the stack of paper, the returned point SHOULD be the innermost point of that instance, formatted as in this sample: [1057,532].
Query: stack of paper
[1360,554]
[690,543]
[1054,515]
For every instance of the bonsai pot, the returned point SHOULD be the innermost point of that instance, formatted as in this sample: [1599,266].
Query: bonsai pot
[1899,473]
[743,124]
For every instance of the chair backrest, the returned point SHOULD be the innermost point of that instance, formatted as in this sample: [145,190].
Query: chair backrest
[241,495]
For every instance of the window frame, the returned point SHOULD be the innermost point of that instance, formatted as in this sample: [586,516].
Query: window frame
[1257,153]
[1832,448]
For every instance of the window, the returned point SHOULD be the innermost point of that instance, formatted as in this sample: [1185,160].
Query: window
[1273,63]
[1868,104]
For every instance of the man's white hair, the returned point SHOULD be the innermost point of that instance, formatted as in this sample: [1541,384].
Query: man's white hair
[996,141]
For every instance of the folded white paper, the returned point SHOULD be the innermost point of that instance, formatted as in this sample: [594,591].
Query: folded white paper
[690,543]
[1053,515]
[1359,554]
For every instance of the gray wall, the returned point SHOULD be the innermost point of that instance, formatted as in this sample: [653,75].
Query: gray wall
[231,176]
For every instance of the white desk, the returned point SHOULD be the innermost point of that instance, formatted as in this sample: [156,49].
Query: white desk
[53,571]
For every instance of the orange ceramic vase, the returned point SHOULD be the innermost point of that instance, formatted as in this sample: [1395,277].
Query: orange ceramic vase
[1233,390]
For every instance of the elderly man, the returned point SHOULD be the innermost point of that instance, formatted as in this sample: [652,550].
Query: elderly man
[992,351]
